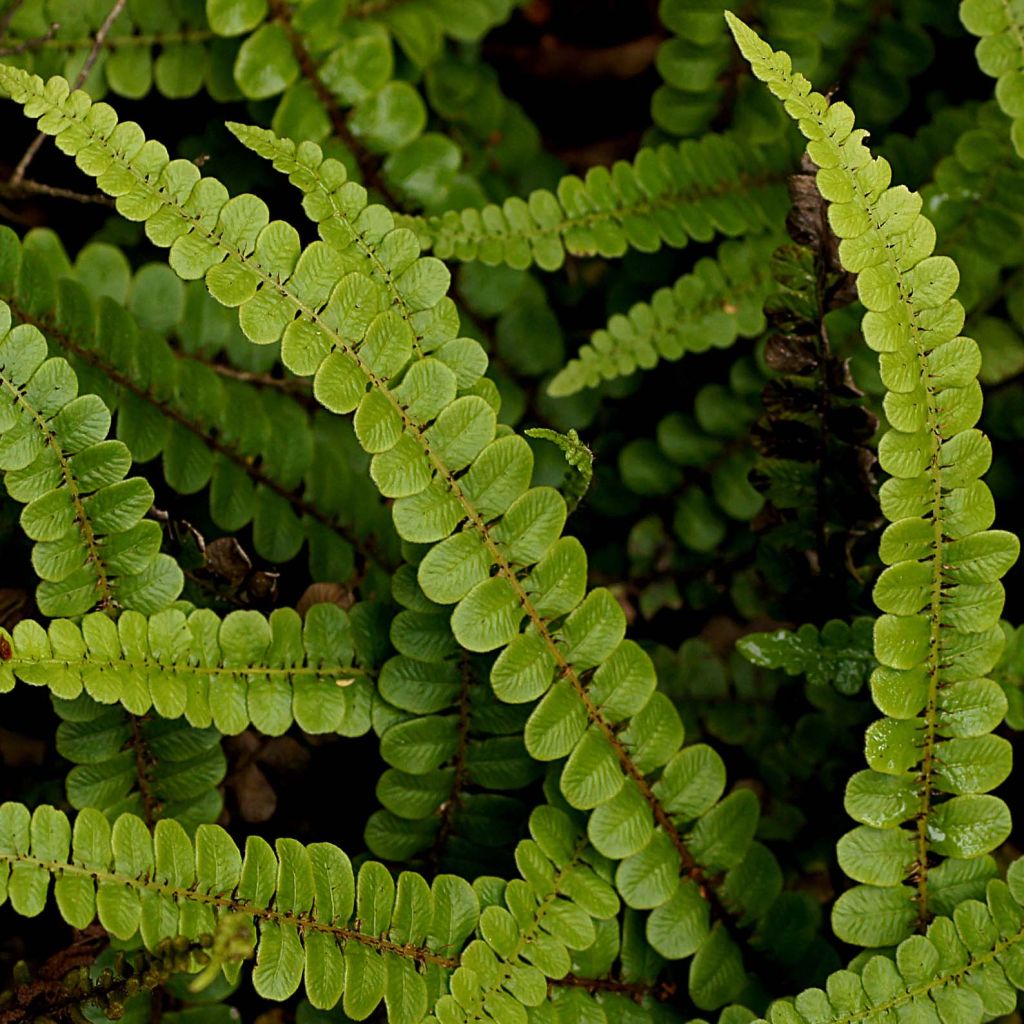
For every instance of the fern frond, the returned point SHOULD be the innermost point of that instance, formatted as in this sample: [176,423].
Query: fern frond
[455,753]
[927,794]
[84,980]
[165,46]
[719,301]
[140,764]
[667,195]
[295,478]
[233,672]
[839,654]
[967,967]
[93,547]
[438,454]
[358,937]
[1000,54]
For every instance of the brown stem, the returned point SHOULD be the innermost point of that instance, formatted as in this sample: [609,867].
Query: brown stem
[27,44]
[461,777]
[144,763]
[28,187]
[637,990]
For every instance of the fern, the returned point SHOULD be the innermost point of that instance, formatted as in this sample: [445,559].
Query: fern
[1000,53]
[93,547]
[519,739]
[719,301]
[966,968]
[870,50]
[971,200]
[940,595]
[668,195]
[166,47]
[231,673]
[837,654]
[362,937]
[140,764]
[509,564]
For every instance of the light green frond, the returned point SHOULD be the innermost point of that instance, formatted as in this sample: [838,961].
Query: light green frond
[459,487]
[926,796]
[719,301]
[359,937]
[230,673]
[667,195]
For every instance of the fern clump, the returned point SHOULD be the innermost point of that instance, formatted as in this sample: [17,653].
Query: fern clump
[335,552]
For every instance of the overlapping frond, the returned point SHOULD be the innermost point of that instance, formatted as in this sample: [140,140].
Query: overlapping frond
[296,478]
[357,938]
[968,967]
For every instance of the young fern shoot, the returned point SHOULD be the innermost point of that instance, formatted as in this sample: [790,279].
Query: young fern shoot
[926,816]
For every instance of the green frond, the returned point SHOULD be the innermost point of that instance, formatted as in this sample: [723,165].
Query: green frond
[140,764]
[667,195]
[115,983]
[719,301]
[1009,674]
[93,546]
[456,755]
[168,47]
[926,795]
[1000,54]
[438,454]
[231,673]
[356,937]
[296,478]
[580,458]
[838,654]
[967,967]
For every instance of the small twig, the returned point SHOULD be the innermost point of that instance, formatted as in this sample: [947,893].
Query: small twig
[29,187]
[29,44]
[290,385]
[97,44]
